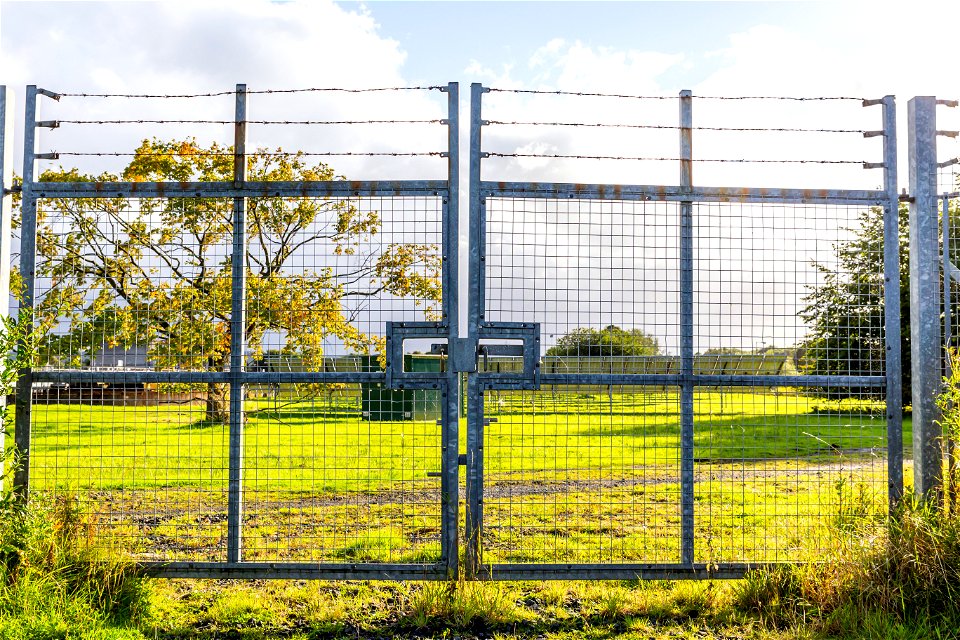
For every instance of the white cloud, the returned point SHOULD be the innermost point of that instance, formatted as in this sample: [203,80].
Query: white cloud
[209,46]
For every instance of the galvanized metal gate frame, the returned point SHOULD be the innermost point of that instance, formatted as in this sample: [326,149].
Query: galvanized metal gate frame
[686,194]
[239,189]
[463,351]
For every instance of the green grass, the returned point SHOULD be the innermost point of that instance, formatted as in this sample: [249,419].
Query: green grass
[570,476]
[326,446]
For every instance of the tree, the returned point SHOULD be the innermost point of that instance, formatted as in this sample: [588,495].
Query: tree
[846,312]
[609,341]
[157,272]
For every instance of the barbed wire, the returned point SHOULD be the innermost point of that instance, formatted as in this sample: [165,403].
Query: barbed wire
[230,155]
[665,159]
[673,127]
[434,87]
[650,97]
[582,93]
[265,122]
[787,98]
[215,94]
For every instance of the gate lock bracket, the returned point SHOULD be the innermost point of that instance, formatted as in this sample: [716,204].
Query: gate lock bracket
[396,333]
[529,334]
[466,354]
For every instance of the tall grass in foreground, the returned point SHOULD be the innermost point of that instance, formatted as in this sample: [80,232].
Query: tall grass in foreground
[902,574]
[895,577]
[57,579]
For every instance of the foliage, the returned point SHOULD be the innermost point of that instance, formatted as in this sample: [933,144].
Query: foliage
[55,574]
[609,341]
[157,272]
[845,312]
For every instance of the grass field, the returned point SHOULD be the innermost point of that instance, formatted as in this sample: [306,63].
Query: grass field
[569,476]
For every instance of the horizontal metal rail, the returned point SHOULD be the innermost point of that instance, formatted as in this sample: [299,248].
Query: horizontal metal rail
[293,571]
[679,194]
[249,189]
[179,377]
[653,379]
[619,571]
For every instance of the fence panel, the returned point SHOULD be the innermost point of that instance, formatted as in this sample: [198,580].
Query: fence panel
[716,387]
[212,392]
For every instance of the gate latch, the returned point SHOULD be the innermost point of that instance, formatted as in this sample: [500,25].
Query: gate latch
[497,367]
[396,333]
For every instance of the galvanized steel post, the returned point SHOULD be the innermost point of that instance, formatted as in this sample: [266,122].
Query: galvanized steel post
[450,430]
[6,211]
[926,345]
[238,338]
[28,262]
[474,515]
[947,266]
[891,298]
[947,275]
[686,331]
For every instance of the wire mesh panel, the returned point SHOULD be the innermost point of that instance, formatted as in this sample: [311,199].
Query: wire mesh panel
[140,467]
[582,474]
[326,483]
[212,385]
[713,367]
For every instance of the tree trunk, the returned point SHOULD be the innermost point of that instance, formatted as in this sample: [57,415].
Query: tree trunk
[218,403]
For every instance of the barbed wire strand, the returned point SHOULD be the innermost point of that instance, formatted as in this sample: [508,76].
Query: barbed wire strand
[649,97]
[656,159]
[265,122]
[582,93]
[230,155]
[215,94]
[673,127]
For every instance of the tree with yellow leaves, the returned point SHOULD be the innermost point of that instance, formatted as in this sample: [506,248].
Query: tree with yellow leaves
[156,273]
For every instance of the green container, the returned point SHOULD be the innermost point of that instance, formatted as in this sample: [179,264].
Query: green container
[378,404]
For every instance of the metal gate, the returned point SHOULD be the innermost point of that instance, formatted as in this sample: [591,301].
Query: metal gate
[648,393]
[212,398]
[702,455]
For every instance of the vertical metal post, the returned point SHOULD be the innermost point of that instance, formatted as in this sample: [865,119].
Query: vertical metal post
[6,211]
[238,338]
[474,515]
[947,276]
[951,493]
[28,263]
[450,435]
[926,347]
[686,330]
[891,300]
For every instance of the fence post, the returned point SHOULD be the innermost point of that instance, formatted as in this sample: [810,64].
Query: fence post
[925,338]
[451,299]
[474,515]
[891,299]
[6,211]
[238,339]
[28,263]
[686,331]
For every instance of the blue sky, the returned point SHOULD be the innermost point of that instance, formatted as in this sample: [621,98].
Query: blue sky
[503,34]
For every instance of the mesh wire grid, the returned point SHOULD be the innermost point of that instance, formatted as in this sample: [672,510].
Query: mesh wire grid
[335,472]
[587,473]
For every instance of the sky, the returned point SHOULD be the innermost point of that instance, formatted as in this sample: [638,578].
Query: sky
[858,49]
